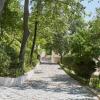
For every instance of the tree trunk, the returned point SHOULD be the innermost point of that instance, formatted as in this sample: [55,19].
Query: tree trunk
[34,41]
[1,5]
[39,9]
[61,58]
[1,26]
[25,34]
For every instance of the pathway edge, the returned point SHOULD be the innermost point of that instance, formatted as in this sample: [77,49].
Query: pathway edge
[18,81]
[87,87]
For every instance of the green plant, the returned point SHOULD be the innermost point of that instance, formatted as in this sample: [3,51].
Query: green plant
[5,61]
[83,66]
[84,47]
[68,61]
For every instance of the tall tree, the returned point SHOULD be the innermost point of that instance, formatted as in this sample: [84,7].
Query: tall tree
[38,10]
[25,34]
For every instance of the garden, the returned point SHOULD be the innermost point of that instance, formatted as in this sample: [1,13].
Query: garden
[28,26]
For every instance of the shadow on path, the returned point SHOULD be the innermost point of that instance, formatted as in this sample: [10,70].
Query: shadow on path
[58,83]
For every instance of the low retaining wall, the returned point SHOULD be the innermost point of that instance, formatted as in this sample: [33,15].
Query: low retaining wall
[7,81]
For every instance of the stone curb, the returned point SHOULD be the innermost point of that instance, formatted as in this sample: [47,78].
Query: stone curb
[18,81]
[93,91]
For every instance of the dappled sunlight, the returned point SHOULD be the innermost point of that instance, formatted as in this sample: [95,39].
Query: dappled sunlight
[56,83]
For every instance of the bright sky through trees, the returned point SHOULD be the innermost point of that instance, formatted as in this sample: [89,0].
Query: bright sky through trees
[91,8]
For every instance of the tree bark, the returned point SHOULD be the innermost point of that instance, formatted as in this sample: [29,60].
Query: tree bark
[39,9]
[34,41]
[61,58]
[1,27]
[1,5]
[25,34]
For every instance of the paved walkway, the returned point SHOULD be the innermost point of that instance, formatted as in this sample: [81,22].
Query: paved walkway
[49,83]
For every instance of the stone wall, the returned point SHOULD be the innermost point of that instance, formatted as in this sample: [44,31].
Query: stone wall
[55,58]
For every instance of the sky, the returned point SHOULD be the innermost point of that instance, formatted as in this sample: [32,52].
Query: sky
[91,8]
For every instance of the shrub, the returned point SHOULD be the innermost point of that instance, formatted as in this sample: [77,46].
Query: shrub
[8,60]
[12,53]
[5,61]
[27,58]
[68,61]
[84,66]
[9,63]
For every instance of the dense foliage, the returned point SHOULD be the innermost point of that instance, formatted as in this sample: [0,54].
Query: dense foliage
[84,49]
[10,41]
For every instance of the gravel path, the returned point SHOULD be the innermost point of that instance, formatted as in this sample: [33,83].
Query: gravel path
[49,83]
